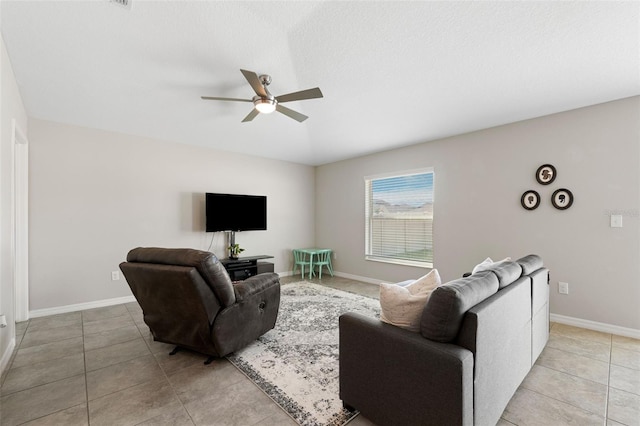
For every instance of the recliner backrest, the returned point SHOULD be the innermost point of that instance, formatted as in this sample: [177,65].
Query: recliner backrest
[206,263]
[178,306]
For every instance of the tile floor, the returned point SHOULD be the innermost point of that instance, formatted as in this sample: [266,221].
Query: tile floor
[101,367]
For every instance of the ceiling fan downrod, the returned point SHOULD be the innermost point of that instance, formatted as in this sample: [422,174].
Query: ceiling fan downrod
[265,104]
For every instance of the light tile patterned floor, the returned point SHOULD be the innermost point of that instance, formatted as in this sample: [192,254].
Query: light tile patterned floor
[101,367]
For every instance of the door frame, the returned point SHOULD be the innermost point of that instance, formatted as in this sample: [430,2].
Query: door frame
[20,222]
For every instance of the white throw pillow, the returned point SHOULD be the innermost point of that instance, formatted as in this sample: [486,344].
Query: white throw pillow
[488,264]
[402,306]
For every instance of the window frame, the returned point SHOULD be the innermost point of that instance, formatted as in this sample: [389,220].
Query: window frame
[368,182]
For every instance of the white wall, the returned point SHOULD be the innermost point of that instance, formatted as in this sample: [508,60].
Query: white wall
[11,107]
[95,195]
[479,178]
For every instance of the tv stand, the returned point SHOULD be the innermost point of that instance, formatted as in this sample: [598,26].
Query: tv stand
[248,266]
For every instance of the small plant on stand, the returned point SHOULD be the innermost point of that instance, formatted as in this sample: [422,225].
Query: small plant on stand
[234,251]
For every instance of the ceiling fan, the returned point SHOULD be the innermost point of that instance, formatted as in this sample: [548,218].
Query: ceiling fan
[264,102]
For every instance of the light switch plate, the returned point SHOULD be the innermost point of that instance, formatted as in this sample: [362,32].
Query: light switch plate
[563,288]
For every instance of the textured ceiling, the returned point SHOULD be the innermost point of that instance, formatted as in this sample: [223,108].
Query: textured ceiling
[392,73]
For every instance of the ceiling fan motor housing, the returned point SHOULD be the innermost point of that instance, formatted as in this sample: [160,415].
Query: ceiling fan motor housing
[265,79]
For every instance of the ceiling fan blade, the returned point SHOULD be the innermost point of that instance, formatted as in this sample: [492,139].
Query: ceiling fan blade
[254,81]
[301,95]
[254,112]
[215,98]
[291,113]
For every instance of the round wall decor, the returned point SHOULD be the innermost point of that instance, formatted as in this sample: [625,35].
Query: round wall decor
[530,200]
[562,199]
[546,174]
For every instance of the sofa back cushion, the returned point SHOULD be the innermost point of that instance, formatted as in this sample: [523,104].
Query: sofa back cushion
[506,271]
[206,263]
[530,263]
[442,317]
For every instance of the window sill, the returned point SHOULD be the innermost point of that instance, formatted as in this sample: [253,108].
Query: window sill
[400,262]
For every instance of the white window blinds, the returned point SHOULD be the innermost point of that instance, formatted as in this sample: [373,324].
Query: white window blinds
[399,218]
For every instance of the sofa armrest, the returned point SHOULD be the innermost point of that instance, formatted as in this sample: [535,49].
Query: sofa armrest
[254,285]
[396,377]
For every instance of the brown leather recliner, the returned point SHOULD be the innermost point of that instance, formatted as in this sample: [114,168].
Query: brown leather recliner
[188,300]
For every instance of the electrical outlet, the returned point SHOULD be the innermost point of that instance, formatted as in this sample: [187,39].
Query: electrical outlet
[563,288]
[335,255]
[115,275]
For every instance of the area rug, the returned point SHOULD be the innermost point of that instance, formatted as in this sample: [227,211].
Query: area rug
[296,363]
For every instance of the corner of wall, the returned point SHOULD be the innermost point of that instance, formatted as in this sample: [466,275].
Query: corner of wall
[6,356]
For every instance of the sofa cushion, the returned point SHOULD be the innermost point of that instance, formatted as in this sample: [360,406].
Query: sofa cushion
[507,272]
[402,305]
[442,317]
[530,263]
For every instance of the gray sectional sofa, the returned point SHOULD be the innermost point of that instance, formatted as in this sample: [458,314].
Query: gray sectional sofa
[479,337]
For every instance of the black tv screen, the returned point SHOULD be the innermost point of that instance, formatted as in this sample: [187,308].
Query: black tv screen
[232,212]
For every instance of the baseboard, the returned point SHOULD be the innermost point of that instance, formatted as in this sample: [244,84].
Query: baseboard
[118,300]
[576,322]
[357,278]
[339,274]
[561,319]
[6,356]
[80,306]
[596,326]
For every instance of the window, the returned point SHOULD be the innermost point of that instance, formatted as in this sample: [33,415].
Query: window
[399,218]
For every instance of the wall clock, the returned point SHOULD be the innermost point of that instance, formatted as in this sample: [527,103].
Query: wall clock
[562,199]
[530,200]
[546,174]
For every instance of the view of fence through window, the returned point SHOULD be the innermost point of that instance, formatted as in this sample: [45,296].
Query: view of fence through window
[399,218]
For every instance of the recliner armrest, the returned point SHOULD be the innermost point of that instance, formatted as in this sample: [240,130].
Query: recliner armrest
[254,285]
[254,313]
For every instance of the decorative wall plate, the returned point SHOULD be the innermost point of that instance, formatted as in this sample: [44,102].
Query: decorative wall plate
[530,200]
[546,174]
[562,199]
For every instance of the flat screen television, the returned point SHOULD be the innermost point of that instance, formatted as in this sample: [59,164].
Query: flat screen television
[234,212]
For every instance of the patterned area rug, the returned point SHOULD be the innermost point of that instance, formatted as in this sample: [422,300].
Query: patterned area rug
[296,363]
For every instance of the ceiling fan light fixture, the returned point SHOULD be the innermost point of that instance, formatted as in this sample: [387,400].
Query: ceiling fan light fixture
[265,106]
